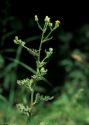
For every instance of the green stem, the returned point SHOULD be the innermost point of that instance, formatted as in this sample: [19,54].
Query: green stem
[30,51]
[39,26]
[48,35]
[40,46]
[32,98]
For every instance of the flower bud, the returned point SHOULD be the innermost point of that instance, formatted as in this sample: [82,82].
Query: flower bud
[57,22]
[50,24]
[50,49]
[36,18]
[47,19]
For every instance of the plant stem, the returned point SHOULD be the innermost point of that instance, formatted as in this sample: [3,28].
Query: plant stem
[40,46]
[48,34]
[32,98]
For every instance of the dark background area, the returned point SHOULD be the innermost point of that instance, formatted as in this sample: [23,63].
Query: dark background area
[72,14]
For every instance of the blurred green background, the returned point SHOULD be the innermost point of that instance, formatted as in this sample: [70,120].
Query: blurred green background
[68,68]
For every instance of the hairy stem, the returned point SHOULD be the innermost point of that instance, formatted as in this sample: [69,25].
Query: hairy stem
[32,99]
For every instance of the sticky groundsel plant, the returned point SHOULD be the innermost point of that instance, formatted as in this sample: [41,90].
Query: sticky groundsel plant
[31,82]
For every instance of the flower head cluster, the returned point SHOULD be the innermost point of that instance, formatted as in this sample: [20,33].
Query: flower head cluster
[49,52]
[19,41]
[47,23]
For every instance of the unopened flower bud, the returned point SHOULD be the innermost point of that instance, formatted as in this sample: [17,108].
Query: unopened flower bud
[50,24]
[47,19]
[57,22]
[51,49]
[18,41]
[43,70]
[36,18]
